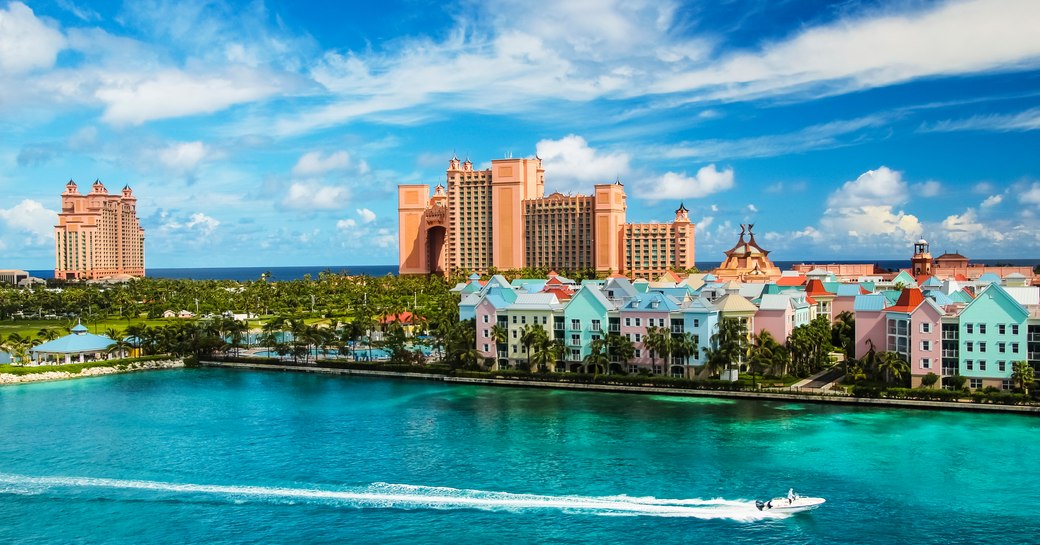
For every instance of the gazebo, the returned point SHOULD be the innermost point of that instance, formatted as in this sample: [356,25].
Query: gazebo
[77,347]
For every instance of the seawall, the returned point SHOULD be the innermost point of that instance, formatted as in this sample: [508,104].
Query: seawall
[683,392]
[8,378]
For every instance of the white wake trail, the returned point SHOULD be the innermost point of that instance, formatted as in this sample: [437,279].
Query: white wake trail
[402,496]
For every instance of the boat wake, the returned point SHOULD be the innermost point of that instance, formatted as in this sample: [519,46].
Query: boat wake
[389,496]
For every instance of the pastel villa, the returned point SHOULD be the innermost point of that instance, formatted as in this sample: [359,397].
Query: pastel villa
[942,315]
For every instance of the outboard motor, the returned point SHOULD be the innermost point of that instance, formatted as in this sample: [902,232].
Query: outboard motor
[760,504]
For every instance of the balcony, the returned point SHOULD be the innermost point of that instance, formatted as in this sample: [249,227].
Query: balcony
[1034,356]
[574,342]
[677,329]
[1033,337]
[615,328]
[949,353]
[949,335]
[557,327]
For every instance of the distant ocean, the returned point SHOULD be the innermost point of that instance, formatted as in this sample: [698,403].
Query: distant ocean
[294,273]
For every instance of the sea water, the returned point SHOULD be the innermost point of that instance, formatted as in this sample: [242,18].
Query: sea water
[225,456]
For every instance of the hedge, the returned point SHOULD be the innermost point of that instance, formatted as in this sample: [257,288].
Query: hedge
[76,368]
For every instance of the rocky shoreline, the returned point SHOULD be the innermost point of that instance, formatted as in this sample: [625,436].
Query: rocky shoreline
[7,378]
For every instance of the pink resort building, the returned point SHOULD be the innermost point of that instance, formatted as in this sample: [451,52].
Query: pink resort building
[500,218]
[98,235]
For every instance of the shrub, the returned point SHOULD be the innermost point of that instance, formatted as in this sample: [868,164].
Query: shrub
[929,380]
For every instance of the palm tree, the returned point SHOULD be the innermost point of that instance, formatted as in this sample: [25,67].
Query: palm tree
[530,336]
[658,341]
[47,334]
[120,347]
[762,353]
[1023,374]
[597,356]
[501,336]
[619,346]
[547,353]
[684,346]
[893,365]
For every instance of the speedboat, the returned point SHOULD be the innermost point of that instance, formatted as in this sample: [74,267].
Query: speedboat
[793,503]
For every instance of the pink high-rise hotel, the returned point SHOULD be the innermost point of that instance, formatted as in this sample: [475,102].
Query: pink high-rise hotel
[98,235]
[501,218]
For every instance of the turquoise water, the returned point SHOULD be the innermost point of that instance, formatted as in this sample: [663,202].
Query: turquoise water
[223,456]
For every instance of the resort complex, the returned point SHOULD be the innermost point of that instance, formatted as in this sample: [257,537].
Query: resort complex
[98,235]
[500,219]
[947,325]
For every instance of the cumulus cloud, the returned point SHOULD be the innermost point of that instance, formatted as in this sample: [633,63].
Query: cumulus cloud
[314,196]
[196,224]
[26,43]
[30,218]
[183,156]
[570,163]
[173,93]
[966,228]
[930,188]
[1031,195]
[871,221]
[314,163]
[673,185]
[992,200]
[366,215]
[752,208]
[883,186]
[365,235]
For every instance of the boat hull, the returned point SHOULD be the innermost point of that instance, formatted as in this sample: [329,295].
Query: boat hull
[782,505]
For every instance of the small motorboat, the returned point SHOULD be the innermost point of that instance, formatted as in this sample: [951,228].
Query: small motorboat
[793,503]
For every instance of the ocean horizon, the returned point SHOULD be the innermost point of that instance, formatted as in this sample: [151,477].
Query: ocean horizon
[242,274]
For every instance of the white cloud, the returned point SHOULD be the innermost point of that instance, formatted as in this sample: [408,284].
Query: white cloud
[752,208]
[992,200]
[26,43]
[982,188]
[367,216]
[314,196]
[875,50]
[183,156]
[1028,120]
[872,221]
[314,163]
[570,164]
[174,93]
[966,228]
[346,225]
[930,188]
[1030,195]
[673,185]
[883,186]
[366,235]
[198,224]
[29,217]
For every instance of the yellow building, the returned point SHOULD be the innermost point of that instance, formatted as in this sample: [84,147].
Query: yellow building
[499,218]
[98,235]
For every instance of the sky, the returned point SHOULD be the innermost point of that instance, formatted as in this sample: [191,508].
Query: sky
[275,133]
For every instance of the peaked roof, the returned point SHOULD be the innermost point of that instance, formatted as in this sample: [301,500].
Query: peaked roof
[734,302]
[816,288]
[75,343]
[872,302]
[908,301]
[791,280]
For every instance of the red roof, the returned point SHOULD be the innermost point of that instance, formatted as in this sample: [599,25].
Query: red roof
[960,277]
[404,317]
[563,293]
[791,280]
[922,278]
[909,299]
[815,287]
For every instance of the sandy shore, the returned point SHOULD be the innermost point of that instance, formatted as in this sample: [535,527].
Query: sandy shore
[7,378]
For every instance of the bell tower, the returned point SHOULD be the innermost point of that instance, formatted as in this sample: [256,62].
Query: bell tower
[921,262]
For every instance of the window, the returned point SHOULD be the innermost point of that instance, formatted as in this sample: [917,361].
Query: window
[982,365]
[696,322]
[926,345]
[486,348]
[926,363]
[926,327]
[982,346]
[1002,366]
[1014,329]
[575,340]
[575,324]
[523,319]
[485,318]
[595,325]
[1001,329]
[487,332]
[1001,346]
[639,337]
[975,383]
[1005,385]
[639,322]
[969,346]
[970,328]
[636,353]
[1014,348]
[514,319]
[514,333]
[628,322]
[969,365]
[982,329]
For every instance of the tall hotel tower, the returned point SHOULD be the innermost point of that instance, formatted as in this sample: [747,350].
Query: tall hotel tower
[98,235]
[500,218]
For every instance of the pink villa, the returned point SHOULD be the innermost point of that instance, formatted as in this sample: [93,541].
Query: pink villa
[780,313]
[913,331]
[638,315]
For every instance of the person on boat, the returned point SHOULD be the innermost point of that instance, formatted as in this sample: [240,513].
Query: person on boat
[791,496]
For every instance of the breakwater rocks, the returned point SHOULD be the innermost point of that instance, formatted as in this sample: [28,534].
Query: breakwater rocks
[7,378]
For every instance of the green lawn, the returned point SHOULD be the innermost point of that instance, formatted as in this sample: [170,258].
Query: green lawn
[29,328]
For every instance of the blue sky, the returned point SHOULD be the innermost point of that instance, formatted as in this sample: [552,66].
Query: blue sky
[275,133]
